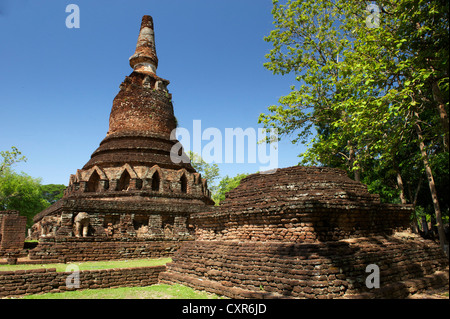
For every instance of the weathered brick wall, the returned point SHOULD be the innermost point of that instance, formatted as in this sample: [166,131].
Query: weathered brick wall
[12,231]
[305,232]
[4,213]
[25,282]
[314,270]
[83,249]
[301,223]
[140,108]
[300,204]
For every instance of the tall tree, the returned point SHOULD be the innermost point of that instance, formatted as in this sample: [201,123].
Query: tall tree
[9,158]
[52,192]
[21,192]
[368,76]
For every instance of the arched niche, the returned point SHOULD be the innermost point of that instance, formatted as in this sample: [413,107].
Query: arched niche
[93,184]
[183,182]
[124,181]
[156,181]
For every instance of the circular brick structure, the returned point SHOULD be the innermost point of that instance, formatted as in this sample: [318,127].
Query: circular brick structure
[306,232]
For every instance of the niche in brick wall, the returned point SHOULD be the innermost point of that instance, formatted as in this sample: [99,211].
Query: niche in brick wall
[124,181]
[111,224]
[167,225]
[140,221]
[93,185]
[183,181]
[156,181]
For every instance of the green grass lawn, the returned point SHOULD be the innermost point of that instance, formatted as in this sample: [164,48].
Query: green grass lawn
[91,265]
[159,291]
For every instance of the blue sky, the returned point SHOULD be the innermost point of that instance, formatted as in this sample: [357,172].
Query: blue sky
[57,84]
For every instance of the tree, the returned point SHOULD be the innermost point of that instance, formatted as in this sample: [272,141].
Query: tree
[21,192]
[226,184]
[208,171]
[52,192]
[373,85]
[10,158]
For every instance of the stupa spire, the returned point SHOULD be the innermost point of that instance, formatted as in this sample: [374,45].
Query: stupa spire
[144,58]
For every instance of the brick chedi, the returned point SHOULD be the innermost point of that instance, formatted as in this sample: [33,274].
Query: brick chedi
[130,189]
[306,232]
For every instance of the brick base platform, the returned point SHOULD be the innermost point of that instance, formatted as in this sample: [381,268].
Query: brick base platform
[36,281]
[314,270]
[84,249]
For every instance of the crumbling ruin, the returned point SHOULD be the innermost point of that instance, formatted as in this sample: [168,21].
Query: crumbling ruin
[302,232]
[306,232]
[12,234]
[130,190]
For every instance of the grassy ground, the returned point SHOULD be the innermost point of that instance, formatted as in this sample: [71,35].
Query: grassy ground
[159,291]
[90,265]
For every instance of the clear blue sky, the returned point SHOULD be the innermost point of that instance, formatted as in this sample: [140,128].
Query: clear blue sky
[57,84]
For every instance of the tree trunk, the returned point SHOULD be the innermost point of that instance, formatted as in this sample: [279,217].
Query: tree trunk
[414,225]
[351,160]
[437,96]
[416,194]
[400,184]
[432,185]
[413,201]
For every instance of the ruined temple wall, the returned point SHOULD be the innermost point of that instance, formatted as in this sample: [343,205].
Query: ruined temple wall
[155,113]
[169,183]
[36,281]
[305,232]
[165,225]
[84,249]
[301,223]
[5,214]
[316,270]
[12,232]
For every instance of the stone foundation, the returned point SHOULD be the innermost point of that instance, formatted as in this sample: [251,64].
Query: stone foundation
[84,249]
[306,232]
[301,223]
[12,235]
[36,281]
[315,270]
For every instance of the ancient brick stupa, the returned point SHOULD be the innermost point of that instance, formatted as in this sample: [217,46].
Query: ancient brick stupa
[306,232]
[130,190]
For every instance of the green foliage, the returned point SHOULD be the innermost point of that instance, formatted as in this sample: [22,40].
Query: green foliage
[225,185]
[211,173]
[21,192]
[362,91]
[10,158]
[208,171]
[52,192]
